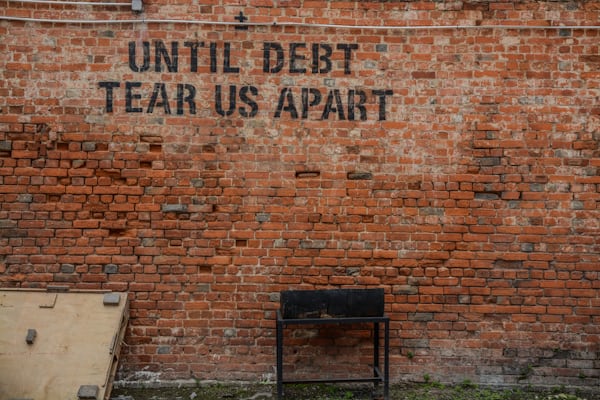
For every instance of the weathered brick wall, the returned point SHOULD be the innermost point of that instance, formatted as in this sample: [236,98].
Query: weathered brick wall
[457,168]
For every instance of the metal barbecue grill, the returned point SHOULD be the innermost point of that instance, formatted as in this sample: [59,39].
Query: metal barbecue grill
[335,306]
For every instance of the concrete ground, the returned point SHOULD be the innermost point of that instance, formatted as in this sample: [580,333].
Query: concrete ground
[426,391]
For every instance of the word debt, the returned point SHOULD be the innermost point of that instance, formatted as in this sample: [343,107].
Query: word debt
[295,103]
[300,58]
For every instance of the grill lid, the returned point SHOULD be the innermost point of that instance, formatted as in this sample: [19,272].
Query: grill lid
[332,303]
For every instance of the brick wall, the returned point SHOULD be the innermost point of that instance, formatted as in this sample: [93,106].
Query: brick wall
[204,168]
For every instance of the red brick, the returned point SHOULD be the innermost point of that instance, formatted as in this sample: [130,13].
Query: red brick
[478,190]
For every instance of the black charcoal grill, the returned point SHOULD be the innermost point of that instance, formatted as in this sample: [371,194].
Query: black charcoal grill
[335,306]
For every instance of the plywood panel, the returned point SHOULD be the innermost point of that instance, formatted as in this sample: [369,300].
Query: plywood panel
[77,343]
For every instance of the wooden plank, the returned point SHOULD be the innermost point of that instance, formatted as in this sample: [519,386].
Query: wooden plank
[74,343]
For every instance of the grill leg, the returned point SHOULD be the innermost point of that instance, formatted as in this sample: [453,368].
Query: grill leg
[375,351]
[386,361]
[279,335]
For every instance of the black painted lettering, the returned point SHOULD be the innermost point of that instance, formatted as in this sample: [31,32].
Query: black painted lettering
[132,56]
[109,86]
[307,102]
[213,57]
[268,47]
[382,96]
[249,101]
[159,88]
[318,58]
[347,47]
[160,52]
[219,102]
[193,54]
[330,107]
[294,57]
[189,98]
[286,94]
[227,68]
[130,97]
[360,105]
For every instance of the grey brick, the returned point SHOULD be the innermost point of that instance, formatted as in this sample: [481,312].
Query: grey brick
[31,334]
[111,268]
[263,217]
[88,392]
[112,299]
[89,146]
[67,268]
[178,208]
[360,176]
[5,145]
